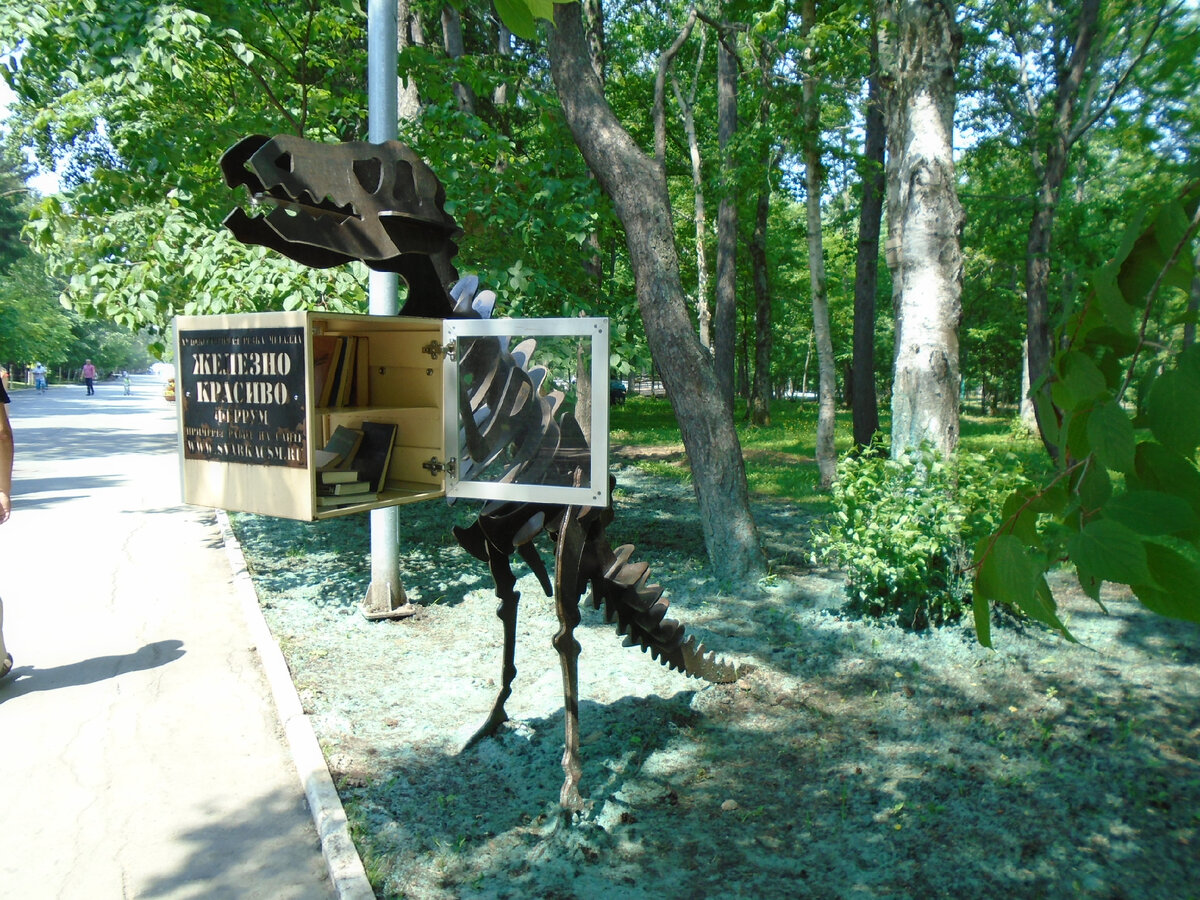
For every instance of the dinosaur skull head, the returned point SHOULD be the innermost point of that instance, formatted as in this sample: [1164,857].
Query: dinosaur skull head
[334,203]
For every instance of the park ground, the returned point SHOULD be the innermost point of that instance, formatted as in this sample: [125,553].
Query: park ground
[851,759]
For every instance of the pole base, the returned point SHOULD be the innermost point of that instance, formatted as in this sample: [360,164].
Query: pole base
[385,602]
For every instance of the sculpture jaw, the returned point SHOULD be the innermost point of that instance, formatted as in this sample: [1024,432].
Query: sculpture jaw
[337,203]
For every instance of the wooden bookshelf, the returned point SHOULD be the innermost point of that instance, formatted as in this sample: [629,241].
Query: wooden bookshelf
[256,403]
[403,386]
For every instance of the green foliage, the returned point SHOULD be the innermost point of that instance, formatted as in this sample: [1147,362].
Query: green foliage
[520,16]
[1011,79]
[13,171]
[110,347]
[33,324]
[137,101]
[140,99]
[902,530]
[1123,504]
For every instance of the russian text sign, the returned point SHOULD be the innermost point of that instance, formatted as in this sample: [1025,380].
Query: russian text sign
[243,396]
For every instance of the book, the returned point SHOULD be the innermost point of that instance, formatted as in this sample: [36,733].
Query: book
[325,458]
[339,476]
[344,488]
[360,391]
[336,355]
[328,500]
[323,352]
[344,443]
[346,372]
[375,453]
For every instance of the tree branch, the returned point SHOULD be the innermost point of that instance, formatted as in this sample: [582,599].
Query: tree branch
[664,63]
[1087,122]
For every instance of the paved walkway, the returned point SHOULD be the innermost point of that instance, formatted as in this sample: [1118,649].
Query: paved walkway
[141,750]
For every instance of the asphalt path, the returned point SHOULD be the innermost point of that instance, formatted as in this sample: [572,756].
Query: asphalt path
[141,753]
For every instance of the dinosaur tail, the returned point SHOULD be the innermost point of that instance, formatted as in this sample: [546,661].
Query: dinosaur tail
[638,610]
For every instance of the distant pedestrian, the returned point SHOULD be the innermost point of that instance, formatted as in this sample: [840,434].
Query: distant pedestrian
[125,382]
[39,376]
[6,464]
[89,376]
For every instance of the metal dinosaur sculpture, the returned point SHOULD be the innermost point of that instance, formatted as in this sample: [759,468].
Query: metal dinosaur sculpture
[381,204]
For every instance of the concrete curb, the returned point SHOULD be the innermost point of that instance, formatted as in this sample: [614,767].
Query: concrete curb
[341,857]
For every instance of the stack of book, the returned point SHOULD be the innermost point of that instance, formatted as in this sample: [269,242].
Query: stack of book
[352,467]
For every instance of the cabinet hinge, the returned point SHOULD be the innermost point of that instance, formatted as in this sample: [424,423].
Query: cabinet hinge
[435,466]
[435,349]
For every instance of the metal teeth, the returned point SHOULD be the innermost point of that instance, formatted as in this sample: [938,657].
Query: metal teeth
[639,612]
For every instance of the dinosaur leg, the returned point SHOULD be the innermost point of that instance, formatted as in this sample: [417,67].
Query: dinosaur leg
[567,589]
[507,612]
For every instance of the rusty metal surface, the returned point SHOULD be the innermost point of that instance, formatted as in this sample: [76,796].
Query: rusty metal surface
[380,204]
[329,204]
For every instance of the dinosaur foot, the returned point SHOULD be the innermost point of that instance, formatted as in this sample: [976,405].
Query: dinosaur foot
[571,802]
[568,828]
[487,729]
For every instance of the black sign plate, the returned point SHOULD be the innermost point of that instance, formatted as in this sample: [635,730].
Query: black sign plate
[242,392]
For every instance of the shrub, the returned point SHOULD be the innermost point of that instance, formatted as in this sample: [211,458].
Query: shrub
[903,530]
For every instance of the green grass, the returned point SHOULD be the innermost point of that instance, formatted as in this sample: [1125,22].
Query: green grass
[780,458]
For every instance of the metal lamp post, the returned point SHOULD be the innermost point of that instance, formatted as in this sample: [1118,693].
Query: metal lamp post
[385,597]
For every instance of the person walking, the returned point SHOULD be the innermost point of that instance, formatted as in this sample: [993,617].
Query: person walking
[39,377]
[6,465]
[89,376]
[126,382]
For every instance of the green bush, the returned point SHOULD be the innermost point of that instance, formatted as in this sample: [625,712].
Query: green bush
[903,530]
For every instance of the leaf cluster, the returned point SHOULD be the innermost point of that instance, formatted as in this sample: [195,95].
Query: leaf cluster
[902,530]
[1123,414]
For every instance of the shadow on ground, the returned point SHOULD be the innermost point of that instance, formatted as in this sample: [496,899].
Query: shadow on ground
[854,759]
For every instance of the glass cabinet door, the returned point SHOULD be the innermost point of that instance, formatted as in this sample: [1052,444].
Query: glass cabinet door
[520,387]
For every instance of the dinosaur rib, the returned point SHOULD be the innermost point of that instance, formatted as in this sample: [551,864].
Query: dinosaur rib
[545,448]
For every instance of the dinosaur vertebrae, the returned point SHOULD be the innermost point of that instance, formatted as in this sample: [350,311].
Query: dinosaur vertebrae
[639,611]
[504,411]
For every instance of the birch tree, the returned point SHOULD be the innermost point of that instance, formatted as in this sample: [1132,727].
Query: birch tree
[919,56]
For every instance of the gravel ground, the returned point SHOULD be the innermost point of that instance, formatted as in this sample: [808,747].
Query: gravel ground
[851,759]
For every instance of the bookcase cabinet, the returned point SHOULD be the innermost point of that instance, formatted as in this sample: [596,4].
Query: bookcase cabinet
[252,413]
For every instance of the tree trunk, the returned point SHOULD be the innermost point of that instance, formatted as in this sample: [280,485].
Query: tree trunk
[725,315]
[866,266]
[758,410]
[638,188]
[1025,411]
[593,263]
[504,47]
[700,215]
[1050,162]
[826,368]
[585,391]
[924,223]
[593,18]
[456,49]
[1193,307]
[408,34]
